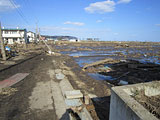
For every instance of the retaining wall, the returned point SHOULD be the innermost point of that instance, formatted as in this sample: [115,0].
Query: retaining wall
[125,107]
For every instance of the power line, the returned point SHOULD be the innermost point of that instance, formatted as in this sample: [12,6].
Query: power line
[19,11]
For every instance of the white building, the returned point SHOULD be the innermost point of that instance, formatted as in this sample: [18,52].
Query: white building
[31,36]
[12,36]
[74,40]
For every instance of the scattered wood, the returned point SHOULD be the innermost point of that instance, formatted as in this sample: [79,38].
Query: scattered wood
[8,91]
[97,63]
[79,108]
[86,100]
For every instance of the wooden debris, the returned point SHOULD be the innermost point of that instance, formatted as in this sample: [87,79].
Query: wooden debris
[97,63]
[7,91]
[86,100]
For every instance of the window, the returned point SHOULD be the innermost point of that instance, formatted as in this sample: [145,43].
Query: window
[13,32]
[6,32]
[14,39]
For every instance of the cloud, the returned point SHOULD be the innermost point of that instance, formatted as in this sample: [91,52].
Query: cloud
[104,6]
[6,5]
[74,23]
[55,28]
[157,25]
[99,21]
[116,34]
[124,1]
[101,7]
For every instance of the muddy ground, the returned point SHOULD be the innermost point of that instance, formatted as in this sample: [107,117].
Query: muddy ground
[17,106]
[152,104]
[20,103]
[33,99]
[131,63]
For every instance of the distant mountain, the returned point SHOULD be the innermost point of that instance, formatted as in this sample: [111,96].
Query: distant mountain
[59,37]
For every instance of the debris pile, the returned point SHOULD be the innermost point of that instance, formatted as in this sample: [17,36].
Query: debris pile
[125,71]
[80,106]
[8,91]
[152,103]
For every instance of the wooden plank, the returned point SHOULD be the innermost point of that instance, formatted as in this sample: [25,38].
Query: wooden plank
[13,80]
[85,115]
[97,63]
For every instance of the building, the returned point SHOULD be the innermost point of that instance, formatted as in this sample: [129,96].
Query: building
[74,40]
[12,36]
[31,36]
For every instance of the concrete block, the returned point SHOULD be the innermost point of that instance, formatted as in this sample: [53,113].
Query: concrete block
[73,102]
[73,94]
[124,107]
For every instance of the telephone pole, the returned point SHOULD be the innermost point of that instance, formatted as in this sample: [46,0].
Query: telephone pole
[3,52]
[36,31]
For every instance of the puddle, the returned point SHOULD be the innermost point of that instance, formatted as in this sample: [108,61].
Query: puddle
[150,60]
[86,57]
[87,60]
[104,52]
[87,53]
[101,77]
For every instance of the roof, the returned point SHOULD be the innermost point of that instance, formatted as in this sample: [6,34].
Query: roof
[31,32]
[13,29]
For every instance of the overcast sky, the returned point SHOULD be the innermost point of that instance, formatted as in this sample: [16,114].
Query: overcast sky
[120,20]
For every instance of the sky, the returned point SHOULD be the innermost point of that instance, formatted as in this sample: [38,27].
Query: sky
[109,20]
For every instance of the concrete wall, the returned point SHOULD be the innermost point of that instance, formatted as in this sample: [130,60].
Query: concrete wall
[119,110]
[124,107]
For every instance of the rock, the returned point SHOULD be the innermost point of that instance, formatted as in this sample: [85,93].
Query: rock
[122,82]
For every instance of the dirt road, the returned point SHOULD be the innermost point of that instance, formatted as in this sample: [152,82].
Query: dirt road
[33,100]
[39,96]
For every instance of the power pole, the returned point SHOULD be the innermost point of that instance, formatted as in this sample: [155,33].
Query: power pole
[36,31]
[2,45]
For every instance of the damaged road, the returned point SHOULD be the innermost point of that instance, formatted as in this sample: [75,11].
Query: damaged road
[40,95]
[33,98]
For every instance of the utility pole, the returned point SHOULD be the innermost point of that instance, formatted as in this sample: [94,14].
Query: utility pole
[2,45]
[40,38]
[36,31]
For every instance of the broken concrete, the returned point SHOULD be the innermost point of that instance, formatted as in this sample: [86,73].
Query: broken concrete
[73,94]
[124,107]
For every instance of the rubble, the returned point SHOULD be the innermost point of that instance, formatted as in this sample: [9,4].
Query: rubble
[131,71]
[109,60]
[8,91]
[149,102]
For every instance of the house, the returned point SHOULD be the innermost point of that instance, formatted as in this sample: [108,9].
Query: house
[31,36]
[12,36]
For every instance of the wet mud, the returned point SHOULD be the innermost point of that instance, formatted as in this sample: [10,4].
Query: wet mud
[132,62]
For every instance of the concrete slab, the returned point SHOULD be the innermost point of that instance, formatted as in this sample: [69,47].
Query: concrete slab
[73,94]
[73,102]
[13,80]
[65,86]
